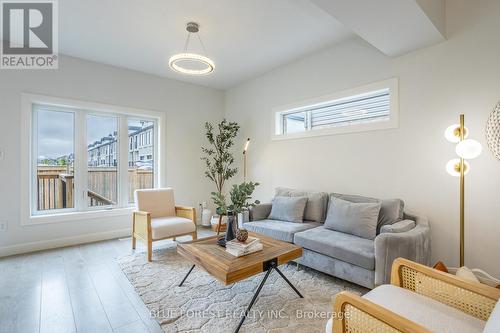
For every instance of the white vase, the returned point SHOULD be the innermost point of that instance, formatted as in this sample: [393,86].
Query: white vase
[243,217]
[205,217]
[240,220]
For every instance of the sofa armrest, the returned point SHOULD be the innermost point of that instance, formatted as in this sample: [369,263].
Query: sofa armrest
[361,315]
[414,244]
[473,298]
[401,226]
[260,211]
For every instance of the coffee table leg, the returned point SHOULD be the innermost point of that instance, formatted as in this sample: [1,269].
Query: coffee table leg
[180,285]
[289,283]
[253,299]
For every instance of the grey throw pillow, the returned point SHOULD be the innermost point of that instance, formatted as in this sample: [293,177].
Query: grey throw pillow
[316,202]
[290,209]
[401,226]
[359,219]
[391,210]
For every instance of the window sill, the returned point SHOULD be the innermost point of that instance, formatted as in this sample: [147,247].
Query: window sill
[77,216]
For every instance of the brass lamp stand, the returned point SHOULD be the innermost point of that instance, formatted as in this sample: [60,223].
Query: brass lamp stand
[245,160]
[247,143]
[465,149]
[462,195]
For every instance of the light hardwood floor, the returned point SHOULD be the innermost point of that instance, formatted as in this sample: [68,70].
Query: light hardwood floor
[74,289]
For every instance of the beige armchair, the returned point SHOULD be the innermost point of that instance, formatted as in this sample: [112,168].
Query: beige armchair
[157,217]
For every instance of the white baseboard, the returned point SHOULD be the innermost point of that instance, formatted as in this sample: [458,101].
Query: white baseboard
[61,242]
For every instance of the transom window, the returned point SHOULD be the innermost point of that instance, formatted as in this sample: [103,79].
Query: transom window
[365,108]
[84,159]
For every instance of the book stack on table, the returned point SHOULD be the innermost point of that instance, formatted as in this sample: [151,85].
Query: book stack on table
[238,249]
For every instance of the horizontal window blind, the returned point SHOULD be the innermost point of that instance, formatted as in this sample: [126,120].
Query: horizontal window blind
[362,108]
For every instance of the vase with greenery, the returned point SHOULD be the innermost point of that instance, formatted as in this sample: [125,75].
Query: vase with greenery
[217,156]
[240,196]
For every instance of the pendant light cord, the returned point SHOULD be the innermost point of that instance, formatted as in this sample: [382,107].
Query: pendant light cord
[186,45]
[202,45]
[187,42]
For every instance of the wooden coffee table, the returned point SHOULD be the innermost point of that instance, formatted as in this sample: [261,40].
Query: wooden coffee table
[214,259]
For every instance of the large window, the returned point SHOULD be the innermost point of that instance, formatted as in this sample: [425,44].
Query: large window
[89,160]
[365,108]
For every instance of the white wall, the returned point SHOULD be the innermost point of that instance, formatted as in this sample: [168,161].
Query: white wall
[187,107]
[461,75]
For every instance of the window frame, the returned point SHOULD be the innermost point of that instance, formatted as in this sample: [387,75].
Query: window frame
[278,113]
[29,214]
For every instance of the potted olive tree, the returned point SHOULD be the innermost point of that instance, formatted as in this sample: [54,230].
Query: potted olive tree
[218,157]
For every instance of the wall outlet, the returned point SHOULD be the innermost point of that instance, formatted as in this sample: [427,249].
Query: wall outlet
[3,226]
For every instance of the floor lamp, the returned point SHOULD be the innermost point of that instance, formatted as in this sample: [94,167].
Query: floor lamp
[466,149]
[244,178]
[245,160]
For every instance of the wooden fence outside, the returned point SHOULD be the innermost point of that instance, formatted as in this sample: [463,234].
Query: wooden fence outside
[55,186]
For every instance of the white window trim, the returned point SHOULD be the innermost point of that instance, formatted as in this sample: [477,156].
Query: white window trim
[26,165]
[393,121]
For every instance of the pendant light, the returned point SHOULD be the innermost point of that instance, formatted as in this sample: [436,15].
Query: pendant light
[200,64]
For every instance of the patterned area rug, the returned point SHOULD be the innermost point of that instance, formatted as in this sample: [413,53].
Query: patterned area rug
[203,304]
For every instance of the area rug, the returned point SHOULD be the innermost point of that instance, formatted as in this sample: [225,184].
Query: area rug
[203,304]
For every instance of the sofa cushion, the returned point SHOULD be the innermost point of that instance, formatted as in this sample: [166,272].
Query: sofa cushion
[316,202]
[349,248]
[359,219]
[391,210]
[280,230]
[288,209]
[424,311]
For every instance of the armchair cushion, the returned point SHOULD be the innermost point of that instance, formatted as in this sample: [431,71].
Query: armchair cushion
[493,323]
[424,311]
[159,202]
[165,227]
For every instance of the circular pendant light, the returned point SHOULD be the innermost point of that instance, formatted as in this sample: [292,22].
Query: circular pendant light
[191,63]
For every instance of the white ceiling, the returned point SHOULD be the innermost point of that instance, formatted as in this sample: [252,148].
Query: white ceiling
[245,38]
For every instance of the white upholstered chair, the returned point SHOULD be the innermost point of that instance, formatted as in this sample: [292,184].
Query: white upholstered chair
[157,217]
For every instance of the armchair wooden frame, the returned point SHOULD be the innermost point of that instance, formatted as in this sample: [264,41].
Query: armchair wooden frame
[141,227]
[353,313]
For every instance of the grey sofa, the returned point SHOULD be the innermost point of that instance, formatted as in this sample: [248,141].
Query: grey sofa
[366,262]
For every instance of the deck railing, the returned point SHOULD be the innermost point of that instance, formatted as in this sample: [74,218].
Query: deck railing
[55,186]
